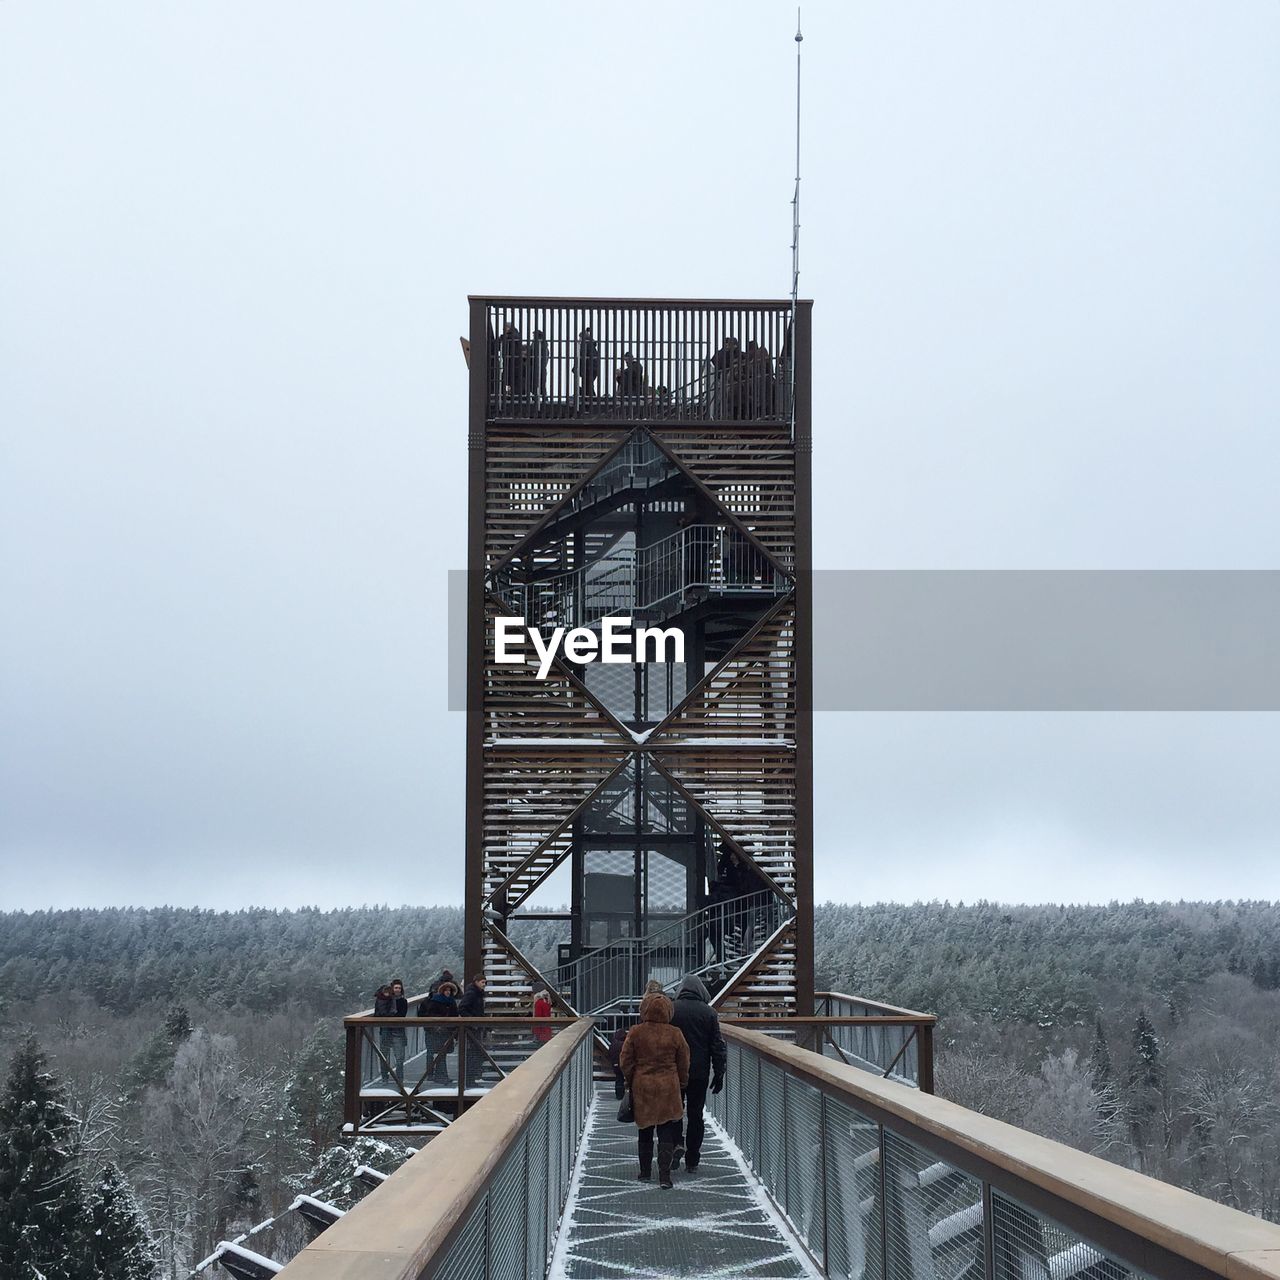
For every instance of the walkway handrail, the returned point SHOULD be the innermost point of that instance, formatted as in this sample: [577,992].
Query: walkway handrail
[431,1216]
[833,1000]
[867,1170]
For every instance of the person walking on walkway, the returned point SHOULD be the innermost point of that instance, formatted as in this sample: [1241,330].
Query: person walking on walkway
[655,1065]
[699,1023]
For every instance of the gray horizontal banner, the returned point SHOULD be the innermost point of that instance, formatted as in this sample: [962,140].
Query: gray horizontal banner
[1027,640]
[1088,640]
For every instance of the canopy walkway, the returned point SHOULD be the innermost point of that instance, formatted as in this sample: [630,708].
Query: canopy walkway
[813,1167]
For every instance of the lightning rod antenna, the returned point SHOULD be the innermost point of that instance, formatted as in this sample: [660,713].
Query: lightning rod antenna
[795,232]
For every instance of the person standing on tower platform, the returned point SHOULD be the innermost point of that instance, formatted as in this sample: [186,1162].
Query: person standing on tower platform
[513,372]
[699,1023]
[390,1002]
[538,365]
[587,365]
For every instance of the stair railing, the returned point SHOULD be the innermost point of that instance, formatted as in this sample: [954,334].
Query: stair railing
[714,939]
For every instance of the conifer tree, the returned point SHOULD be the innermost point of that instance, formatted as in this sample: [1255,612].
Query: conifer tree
[177,1026]
[315,1089]
[1145,1079]
[1099,1058]
[1144,1070]
[41,1199]
[119,1242]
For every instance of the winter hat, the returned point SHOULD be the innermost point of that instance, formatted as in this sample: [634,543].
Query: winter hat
[695,986]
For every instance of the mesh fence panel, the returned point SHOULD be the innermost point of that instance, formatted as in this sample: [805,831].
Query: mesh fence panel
[773,1134]
[749,1110]
[467,1260]
[804,1161]
[508,1217]
[1028,1246]
[538,1188]
[851,1154]
[934,1216]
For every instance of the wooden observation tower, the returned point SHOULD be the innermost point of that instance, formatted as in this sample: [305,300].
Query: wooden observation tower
[647,460]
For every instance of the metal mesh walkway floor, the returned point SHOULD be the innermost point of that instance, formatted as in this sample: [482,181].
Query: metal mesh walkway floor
[714,1223]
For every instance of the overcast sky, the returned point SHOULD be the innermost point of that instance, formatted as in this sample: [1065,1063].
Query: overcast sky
[235,246]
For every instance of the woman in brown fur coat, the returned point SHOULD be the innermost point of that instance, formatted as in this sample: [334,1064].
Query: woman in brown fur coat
[655,1064]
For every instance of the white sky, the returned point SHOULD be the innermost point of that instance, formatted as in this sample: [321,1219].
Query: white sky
[235,245]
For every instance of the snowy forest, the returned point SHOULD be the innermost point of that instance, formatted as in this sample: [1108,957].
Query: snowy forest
[174,1076]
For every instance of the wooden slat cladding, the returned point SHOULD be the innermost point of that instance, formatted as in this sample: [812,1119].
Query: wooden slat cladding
[768,985]
[520,706]
[751,794]
[751,695]
[531,470]
[530,796]
[513,978]
[753,477]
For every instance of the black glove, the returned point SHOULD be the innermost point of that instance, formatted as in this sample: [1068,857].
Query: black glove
[717,1084]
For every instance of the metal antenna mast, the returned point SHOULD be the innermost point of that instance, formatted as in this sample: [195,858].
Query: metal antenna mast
[795,231]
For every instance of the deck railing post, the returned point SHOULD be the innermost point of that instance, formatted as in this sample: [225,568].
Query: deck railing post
[924,1054]
[462,1071]
[351,1089]
[988,1234]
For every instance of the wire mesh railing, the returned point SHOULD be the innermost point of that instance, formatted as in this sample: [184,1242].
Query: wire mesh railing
[510,1227]
[901,1050]
[639,360]
[883,1184]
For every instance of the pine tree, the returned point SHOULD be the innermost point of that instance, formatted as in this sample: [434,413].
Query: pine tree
[119,1242]
[1099,1058]
[1144,1070]
[1145,1080]
[41,1199]
[177,1026]
[315,1089]
[1101,1079]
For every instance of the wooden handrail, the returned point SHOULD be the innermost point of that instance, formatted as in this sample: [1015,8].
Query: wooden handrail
[876,1004]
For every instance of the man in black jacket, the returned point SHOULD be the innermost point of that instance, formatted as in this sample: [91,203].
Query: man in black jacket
[700,1026]
[472,1003]
[472,1006]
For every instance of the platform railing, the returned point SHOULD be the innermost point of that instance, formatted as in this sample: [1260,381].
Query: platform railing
[415,1075]
[902,1050]
[884,1183]
[660,360]
[484,1198]
[702,559]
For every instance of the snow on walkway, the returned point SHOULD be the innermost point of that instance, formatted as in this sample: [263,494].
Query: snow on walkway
[714,1224]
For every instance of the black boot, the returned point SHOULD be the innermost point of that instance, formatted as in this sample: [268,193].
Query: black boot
[646,1171]
[665,1150]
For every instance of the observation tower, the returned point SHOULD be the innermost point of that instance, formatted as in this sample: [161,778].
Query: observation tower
[646,460]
